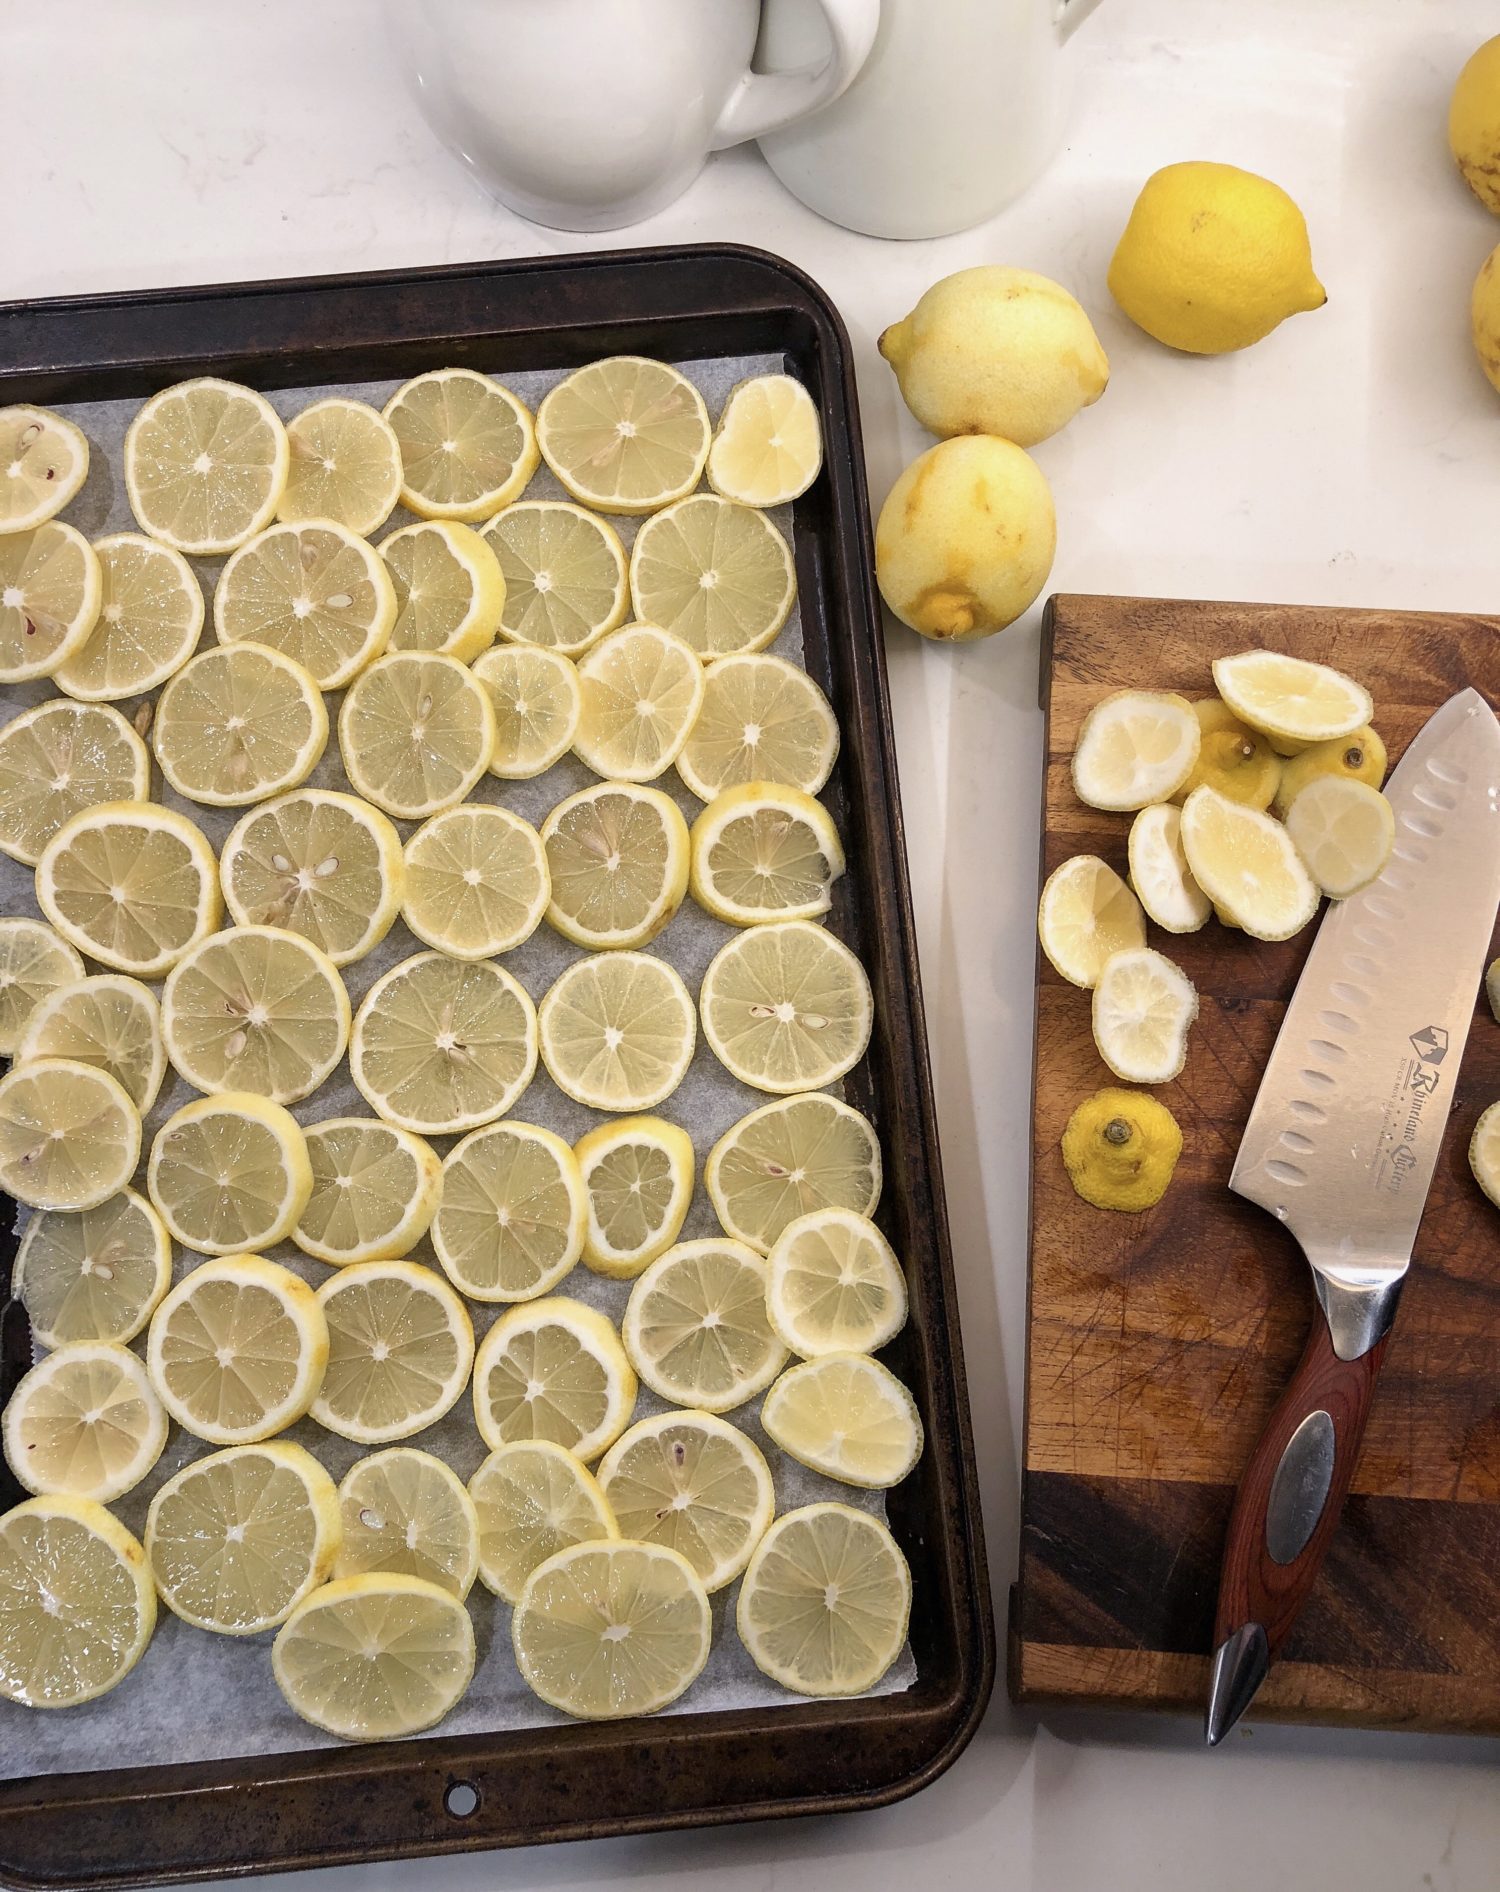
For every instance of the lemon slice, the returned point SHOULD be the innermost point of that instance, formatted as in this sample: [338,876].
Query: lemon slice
[626,434]
[1136,747]
[109,1021]
[95,1275]
[694,1483]
[1290,698]
[468,446]
[696,1331]
[404,1511]
[553,1369]
[57,760]
[84,1421]
[618,1031]
[150,618]
[238,1538]
[416,733]
[206,463]
[131,884]
[475,881]
[513,1211]
[834,1285]
[255,1009]
[1087,913]
[319,863]
[375,1191]
[237,1349]
[314,592]
[848,1417]
[768,447]
[642,690]
[765,852]
[51,589]
[230,1173]
[608,1629]
[787,1159]
[345,465]
[237,724]
[44,461]
[34,963]
[1248,865]
[564,573]
[762,720]
[441,1045]
[638,1174]
[1143,1006]
[786,1007]
[400,1345]
[537,700]
[718,574]
[533,1499]
[1484,1152]
[1344,830]
[449,590]
[1159,873]
[617,860]
[80,1605]
[69,1135]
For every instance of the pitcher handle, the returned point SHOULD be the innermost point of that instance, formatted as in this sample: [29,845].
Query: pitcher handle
[1069,15]
[764,102]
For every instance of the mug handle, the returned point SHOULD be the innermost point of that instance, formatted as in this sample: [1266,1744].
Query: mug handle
[1069,15]
[765,101]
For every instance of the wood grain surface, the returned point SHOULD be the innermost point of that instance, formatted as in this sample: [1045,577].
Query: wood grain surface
[1159,1343]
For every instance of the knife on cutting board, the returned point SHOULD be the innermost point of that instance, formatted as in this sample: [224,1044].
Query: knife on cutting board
[1341,1145]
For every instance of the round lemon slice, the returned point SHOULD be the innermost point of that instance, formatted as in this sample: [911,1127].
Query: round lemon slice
[206,463]
[85,1421]
[834,1285]
[314,592]
[762,720]
[131,884]
[57,760]
[608,1629]
[1159,873]
[416,733]
[1087,913]
[44,461]
[1248,865]
[617,861]
[109,1021]
[404,1511]
[848,1417]
[237,724]
[468,446]
[718,574]
[1136,747]
[1484,1152]
[513,1212]
[768,447]
[51,590]
[238,1538]
[400,1346]
[345,465]
[1143,1006]
[237,1350]
[230,1173]
[618,1031]
[626,434]
[69,1135]
[449,589]
[564,572]
[1344,831]
[537,700]
[533,1499]
[441,1045]
[788,1158]
[94,1275]
[150,618]
[694,1483]
[475,881]
[642,691]
[1290,698]
[638,1174]
[786,1007]
[696,1329]
[553,1369]
[319,863]
[765,852]
[375,1191]
[80,1605]
[34,963]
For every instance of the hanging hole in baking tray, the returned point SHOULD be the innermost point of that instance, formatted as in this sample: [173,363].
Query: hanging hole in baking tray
[461,1798]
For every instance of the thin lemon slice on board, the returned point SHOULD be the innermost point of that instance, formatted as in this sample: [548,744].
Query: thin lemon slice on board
[442,1045]
[110,1021]
[1291,698]
[553,1369]
[236,1351]
[1143,1006]
[533,1499]
[238,1538]
[825,1602]
[206,463]
[416,733]
[537,700]
[44,461]
[1159,873]
[230,1173]
[638,1174]
[834,1285]
[1248,865]
[238,724]
[618,1031]
[345,465]
[34,963]
[848,1417]
[617,862]
[718,574]
[95,1274]
[1344,831]
[765,852]
[375,1191]
[69,1135]
[475,881]
[400,1345]
[564,572]
[51,589]
[58,759]
[696,1330]
[511,1221]
[1086,913]
[315,592]
[786,1007]
[626,434]
[150,618]
[695,1483]
[130,884]
[642,690]
[1484,1152]
[80,1605]
[449,589]
[762,720]
[1135,747]
[85,1421]
[768,447]
[788,1158]
[405,1511]
[319,863]
[468,446]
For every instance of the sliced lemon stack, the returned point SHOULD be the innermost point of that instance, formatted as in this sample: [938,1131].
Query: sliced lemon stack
[718,574]
[416,733]
[626,434]
[1484,1152]
[1344,831]
[553,1369]
[765,852]
[44,461]
[1135,747]
[150,618]
[84,1421]
[375,1191]
[468,446]
[206,463]
[1143,1006]
[1291,699]
[1087,913]
[511,1221]
[400,1346]
[642,691]
[69,1135]
[316,592]
[768,447]
[786,1007]
[404,1511]
[109,1021]
[537,700]
[94,1275]
[51,590]
[696,1328]
[475,881]
[57,760]
[788,1158]
[1247,864]
[763,720]
[238,724]
[564,572]
[1159,873]
[834,1285]
[449,589]
[34,963]
[694,1483]
[345,466]
[131,884]
[617,1031]
[230,1173]
[848,1417]
[638,1175]
[617,862]
[533,1499]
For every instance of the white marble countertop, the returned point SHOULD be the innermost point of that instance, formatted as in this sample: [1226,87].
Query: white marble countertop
[1352,458]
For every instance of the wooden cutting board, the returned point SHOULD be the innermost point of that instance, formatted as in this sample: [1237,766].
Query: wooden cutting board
[1158,1342]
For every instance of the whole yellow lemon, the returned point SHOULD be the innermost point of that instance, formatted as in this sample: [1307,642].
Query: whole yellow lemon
[996,351]
[1213,258]
[1474,124]
[965,540]
[1484,312]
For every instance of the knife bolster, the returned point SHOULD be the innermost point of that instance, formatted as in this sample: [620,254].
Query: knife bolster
[1358,1317]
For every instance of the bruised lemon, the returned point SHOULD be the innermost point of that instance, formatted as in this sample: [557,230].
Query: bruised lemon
[1232,757]
[1474,124]
[1120,1149]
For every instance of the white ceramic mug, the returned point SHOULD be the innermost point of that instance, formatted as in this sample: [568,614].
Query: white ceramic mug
[588,114]
[958,108]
